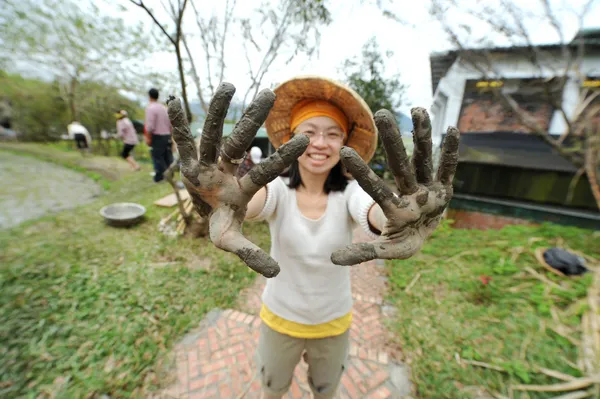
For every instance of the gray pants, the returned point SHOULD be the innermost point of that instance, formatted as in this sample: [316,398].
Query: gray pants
[279,354]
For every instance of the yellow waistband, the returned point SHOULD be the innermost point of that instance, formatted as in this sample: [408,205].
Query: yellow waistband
[293,329]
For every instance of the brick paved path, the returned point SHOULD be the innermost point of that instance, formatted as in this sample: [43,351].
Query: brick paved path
[217,360]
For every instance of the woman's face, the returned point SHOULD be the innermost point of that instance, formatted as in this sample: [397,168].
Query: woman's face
[326,140]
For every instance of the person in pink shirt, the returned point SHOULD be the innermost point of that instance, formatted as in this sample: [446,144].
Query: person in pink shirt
[158,126]
[127,133]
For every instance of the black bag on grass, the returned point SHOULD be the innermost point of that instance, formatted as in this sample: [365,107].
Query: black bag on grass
[565,262]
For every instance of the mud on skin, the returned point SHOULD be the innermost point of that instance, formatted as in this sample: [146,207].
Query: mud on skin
[209,173]
[414,213]
[411,216]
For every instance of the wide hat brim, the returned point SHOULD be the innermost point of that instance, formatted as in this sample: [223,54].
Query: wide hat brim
[362,130]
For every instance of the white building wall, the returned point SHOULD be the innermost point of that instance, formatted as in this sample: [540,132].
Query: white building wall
[447,99]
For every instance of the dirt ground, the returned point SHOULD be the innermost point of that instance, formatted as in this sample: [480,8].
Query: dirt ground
[32,188]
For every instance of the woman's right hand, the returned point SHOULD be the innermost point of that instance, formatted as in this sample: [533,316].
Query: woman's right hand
[210,176]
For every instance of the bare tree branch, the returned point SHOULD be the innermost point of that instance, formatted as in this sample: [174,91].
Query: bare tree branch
[195,76]
[228,16]
[573,185]
[205,44]
[141,4]
[271,53]
[591,163]
[177,17]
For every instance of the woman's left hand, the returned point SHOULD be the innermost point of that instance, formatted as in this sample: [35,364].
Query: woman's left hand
[415,211]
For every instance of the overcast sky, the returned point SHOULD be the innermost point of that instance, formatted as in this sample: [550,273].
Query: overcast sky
[355,22]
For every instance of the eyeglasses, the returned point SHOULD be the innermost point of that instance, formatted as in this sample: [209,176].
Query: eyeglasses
[332,136]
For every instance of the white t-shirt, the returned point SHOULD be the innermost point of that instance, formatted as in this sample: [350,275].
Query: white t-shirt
[76,128]
[310,289]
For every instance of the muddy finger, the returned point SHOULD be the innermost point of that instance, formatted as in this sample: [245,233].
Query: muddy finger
[422,160]
[367,179]
[225,235]
[449,157]
[256,259]
[400,250]
[270,168]
[355,254]
[212,131]
[245,130]
[395,152]
[186,146]
[358,253]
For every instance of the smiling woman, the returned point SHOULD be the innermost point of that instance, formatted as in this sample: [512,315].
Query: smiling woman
[323,156]
[324,134]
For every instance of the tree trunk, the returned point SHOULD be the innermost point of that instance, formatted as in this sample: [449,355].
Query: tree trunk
[198,227]
[573,185]
[174,167]
[195,76]
[72,106]
[591,168]
[182,80]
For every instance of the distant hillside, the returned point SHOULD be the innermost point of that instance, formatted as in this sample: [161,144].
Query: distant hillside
[404,123]
[235,111]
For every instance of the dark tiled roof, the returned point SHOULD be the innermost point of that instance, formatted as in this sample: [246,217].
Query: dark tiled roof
[440,63]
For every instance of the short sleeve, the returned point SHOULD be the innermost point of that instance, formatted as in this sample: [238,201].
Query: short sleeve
[276,192]
[359,204]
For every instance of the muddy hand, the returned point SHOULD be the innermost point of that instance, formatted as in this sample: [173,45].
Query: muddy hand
[210,173]
[415,211]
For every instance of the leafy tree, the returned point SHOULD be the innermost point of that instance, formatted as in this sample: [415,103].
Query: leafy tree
[366,76]
[37,110]
[40,114]
[73,44]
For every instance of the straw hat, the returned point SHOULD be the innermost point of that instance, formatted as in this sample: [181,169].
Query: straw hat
[362,132]
[121,114]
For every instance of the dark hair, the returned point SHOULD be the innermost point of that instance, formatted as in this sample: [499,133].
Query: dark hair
[336,181]
[153,93]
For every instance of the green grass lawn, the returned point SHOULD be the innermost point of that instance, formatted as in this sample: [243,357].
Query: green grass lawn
[449,313]
[89,309]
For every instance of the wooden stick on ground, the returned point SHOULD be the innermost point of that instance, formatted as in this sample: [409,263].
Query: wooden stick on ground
[469,252]
[575,395]
[576,384]
[543,278]
[167,218]
[555,374]
[413,282]
[483,365]
[520,287]
[586,355]
[570,364]
[526,342]
[560,331]
[189,206]
[541,370]
[594,323]
[181,226]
